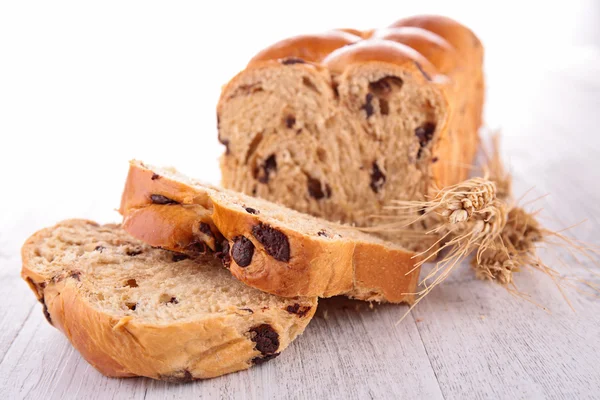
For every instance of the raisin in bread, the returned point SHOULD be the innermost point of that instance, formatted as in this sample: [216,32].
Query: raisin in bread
[267,246]
[340,124]
[132,310]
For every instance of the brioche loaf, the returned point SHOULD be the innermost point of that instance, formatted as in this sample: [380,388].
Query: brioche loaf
[340,124]
[132,310]
[268,246]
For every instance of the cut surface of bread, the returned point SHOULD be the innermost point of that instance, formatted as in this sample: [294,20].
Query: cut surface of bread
[133,310]
[339,125]
[266,245]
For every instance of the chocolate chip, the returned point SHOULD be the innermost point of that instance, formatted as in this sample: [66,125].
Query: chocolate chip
[76,275]
[205,228]
[131,306]
[179,257]
[45,310]
[251,210]
[224,142]
[292,60]
[260,360]
[322,233]
[422,71]
[300,311]
[368,106]
[242,251]
[269,165]
[173,300]
[385,85]
[160,199]
[155,177]
[266,339]
[424,133]
[276,243]
[196,248]
[183,376]
[223,254]
[133,252]
[290,121]
[315,189]
[100,248]
[377,178]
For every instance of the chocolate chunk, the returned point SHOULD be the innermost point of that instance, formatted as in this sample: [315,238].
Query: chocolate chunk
[205,228]
[76,275]
[196,248]
[266,339]
[251,210]
[424,133]
[292,60]
[269,165]
[322,233]
[315,189]
[183,376]
[160,199]
[179,257]
[377,178]
[422,71]
[133,252]
[45,310]
[223,254]
[260,360]
[242,251]
[385,85]
[100,248]
[224,142]
[155,177]
[290,121]
[300,311]
[173,300]
[276,243]
[368,106]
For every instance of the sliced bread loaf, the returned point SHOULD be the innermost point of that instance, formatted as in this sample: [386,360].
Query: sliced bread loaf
[133,310]
[268,246]
[340,124]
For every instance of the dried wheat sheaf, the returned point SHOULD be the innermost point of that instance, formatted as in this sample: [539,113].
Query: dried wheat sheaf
[478,218]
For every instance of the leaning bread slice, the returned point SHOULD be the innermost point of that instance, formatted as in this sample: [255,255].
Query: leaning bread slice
[268,246]
[132,310]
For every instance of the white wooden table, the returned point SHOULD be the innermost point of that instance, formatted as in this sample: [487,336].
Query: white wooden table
[467,339]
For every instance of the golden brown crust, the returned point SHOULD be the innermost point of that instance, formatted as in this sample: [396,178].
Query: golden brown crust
[178,351]
[310,48]
[317,265]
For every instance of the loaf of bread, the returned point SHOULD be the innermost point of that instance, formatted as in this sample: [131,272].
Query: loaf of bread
[340,124]
[133,310]
[267,246]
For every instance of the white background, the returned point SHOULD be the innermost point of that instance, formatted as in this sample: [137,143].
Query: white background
[86,86]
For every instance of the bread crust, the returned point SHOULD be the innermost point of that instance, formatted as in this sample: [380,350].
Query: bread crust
[200,348]
[317,266]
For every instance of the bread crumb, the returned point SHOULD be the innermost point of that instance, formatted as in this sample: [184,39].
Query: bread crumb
[371,305]
[326,314]
[482,317]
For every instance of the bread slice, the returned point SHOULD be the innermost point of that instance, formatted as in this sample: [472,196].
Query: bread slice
[268,246]
[133,310]
[340,124]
